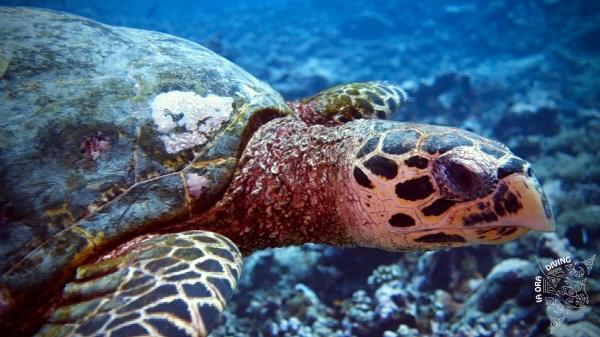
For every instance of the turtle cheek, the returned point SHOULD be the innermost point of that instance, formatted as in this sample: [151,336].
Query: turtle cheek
[494,235]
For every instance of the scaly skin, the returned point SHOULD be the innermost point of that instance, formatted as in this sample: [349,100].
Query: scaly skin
[347,102]
[160,285]
[285,192]
[297,183]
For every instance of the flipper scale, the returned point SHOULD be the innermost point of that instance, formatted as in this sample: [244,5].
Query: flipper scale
[168,285]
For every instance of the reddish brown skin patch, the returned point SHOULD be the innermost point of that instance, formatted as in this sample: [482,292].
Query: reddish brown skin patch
[285,188]
[309,115]
[92,147]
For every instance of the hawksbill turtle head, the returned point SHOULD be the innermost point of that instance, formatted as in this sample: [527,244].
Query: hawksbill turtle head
[421,186]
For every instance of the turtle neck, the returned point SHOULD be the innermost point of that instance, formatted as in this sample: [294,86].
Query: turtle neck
[287,187]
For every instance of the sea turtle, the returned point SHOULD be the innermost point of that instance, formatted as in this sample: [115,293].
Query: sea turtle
[134,164]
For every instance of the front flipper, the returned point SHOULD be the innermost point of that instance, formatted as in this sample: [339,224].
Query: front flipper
[346,102]
[167,285]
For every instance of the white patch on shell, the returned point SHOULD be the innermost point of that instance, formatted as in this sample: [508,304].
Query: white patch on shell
[196,184]
[250,91]
[186,119]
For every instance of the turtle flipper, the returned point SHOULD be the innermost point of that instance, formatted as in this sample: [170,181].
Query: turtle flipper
[346,102]
[167,285]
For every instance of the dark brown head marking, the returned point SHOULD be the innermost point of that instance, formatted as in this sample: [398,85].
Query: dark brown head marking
[415,189]
[482,217]
[444,143]
[513,165]
[417,161]
[382,166]
[492,151]
[369,147]
[512,203]
[400,141]
[506,202]
[401,220]
[361,178]
[438,207]
[440,237]
[498,197]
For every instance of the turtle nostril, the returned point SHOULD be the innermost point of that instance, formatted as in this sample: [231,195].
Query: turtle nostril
[530,172]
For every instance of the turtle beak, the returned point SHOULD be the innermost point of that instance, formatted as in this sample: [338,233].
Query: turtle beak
[535,213]
[521,206]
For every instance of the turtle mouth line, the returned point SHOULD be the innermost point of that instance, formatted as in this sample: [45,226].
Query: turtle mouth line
[471,229]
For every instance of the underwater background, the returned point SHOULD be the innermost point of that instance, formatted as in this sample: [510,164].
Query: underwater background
[524,72]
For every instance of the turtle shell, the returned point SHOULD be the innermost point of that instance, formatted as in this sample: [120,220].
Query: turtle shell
[107,133]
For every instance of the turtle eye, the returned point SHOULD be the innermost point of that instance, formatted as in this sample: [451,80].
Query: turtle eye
[461,179]
[460,176]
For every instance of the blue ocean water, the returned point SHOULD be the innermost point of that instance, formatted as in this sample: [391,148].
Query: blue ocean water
[523,72]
